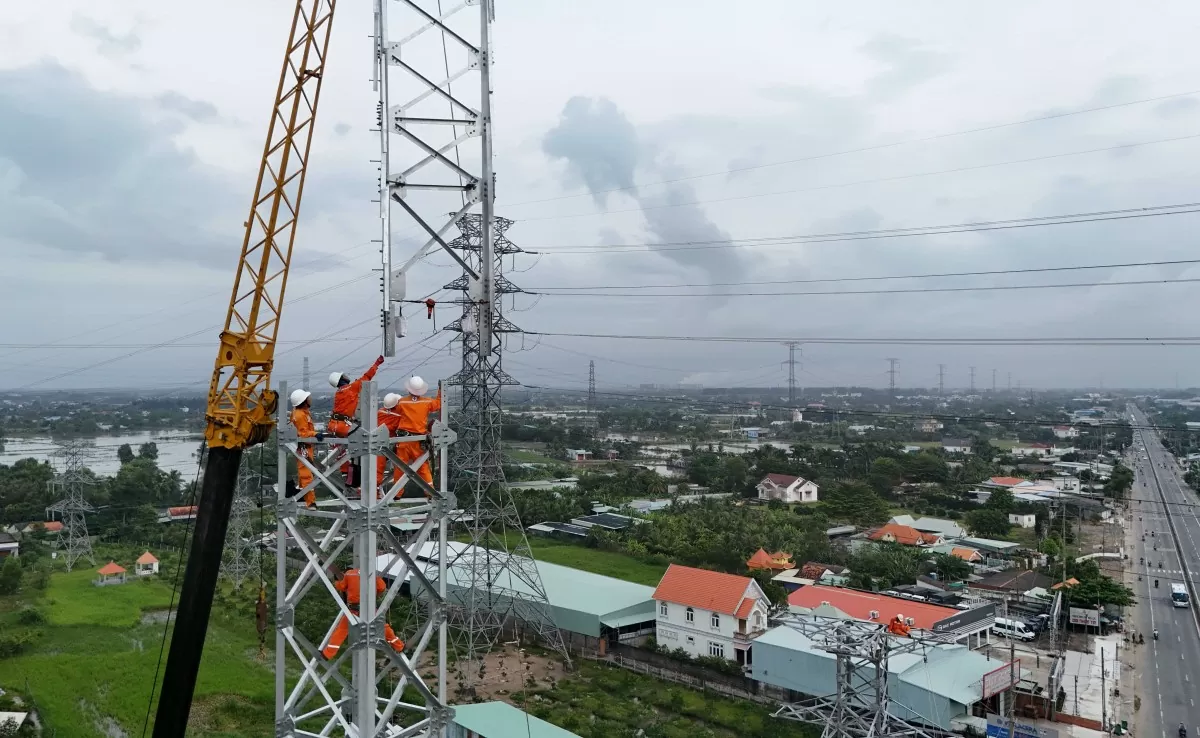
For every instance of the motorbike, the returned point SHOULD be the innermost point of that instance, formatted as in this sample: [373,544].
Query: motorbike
[1156,584]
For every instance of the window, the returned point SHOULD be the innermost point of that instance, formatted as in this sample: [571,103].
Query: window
[691,615]
[716,649]
[691,641]
[715,621]
[662,609]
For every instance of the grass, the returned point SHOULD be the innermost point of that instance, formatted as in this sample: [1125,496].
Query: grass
[531,457]
[95,661]
[607,563]
[602,701]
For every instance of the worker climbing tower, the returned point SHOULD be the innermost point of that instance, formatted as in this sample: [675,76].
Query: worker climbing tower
[434,111]
[72,508]
[350,677]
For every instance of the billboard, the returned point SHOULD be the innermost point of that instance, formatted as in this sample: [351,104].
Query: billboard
[997,727]
[961,621]
[998,680]
[1085,616]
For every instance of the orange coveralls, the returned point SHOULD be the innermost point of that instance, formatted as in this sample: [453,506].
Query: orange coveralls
[348,585]
[302,418]
[388,419]
[898,627]
[414,415]
[345,406]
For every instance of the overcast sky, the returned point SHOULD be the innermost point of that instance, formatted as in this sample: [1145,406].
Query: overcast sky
[130,133]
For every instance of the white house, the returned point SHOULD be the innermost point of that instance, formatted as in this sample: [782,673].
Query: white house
[956,446]
[1023,520]
[9,545]
[1032,450]
[145,565]
[787,488]
[1065,431]
[579,454]
[709,613]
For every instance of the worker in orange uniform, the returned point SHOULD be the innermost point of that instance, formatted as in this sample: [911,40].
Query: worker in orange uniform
[348,585]
[301,418]
[898,626]
[415,411]
[387,418]
[345,406]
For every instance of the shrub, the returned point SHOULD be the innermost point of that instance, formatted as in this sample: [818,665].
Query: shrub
[31,616]
[12,644]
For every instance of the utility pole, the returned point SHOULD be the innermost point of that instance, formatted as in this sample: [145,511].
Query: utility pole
[791,363]
[941,378]
[1011,704]
[892,376]
[305,381]
[972,380]
[70,484]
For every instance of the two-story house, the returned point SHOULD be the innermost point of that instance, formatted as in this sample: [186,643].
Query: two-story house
[787,488]
[709,613]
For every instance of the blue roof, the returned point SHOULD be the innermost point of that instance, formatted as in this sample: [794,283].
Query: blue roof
[502,720]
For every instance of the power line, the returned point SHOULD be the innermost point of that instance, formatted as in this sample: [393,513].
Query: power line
[875,180]
[896,341]
[863,149]
[830,280]
[902,291]
[1151,211]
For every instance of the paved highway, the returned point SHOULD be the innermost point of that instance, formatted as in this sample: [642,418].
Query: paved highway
[1165,515]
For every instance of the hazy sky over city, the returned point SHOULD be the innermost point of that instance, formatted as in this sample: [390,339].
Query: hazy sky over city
[130,134]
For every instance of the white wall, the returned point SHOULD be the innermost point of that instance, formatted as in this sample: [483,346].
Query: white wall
[673,630]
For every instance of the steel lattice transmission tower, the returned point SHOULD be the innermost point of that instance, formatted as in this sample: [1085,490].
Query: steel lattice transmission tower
[791,365]
[242,555]
[72,508]
[591,396]
[503,584]
[435,164]
[861,706]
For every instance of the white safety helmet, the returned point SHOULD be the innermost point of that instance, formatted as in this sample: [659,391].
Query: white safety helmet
[335,379]
[299,396]
[416,386]
[390,400]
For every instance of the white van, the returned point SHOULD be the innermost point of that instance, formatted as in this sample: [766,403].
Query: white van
[1013,629]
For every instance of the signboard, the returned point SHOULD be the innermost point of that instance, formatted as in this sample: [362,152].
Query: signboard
[961,622]
[997,727]
[1085,616]
[995,682]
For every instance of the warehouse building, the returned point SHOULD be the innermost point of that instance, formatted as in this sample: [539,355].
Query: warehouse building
[936,686]
[592,611]
[971,627]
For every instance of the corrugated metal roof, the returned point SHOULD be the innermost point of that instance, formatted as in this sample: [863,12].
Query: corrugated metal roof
[502,720]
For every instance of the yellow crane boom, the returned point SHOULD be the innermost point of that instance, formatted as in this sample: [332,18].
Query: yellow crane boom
[241,404]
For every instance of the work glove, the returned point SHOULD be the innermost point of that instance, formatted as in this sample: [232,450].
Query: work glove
[320,437]
[379,361]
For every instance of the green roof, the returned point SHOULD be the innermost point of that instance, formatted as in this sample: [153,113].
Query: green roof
[502,720]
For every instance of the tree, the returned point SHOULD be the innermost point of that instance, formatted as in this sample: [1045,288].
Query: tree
[982,448]
[148,450]
[1119,483]
[125,453]
[10,576]
[949,567]
[1002,500]
[1099,590]
[886,473]
[988,522]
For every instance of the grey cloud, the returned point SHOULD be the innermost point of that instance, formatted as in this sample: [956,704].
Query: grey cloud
[1176,108]
[108,43]
[201,111]
[105,179]
[599,144]
[909,64]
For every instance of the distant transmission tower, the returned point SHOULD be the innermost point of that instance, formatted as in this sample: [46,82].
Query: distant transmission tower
[892,375]
[304,380]
[972,380]
[72,507]
[591,398]
[242,557]
[791,363]
[501,580]
[941,378]
[993,381]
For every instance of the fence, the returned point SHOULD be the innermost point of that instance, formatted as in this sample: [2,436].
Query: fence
[691,675]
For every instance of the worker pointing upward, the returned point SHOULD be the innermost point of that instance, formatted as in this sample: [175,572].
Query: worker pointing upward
[345,405]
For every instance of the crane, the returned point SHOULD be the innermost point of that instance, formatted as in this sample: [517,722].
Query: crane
[241,404]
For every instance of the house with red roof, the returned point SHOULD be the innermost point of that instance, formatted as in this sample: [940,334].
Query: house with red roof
[905,535]
[778,561]
[50,526]
[178,514]
[709,613]
[110,573]
[145,565]
[786,488]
